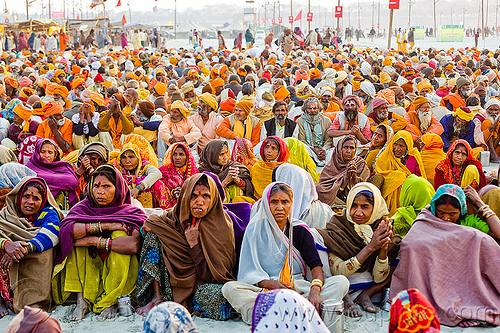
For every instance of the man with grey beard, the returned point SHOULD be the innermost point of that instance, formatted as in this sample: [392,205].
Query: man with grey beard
[458,125]
[487,125]
[382,115]
[351,121]
[422,121]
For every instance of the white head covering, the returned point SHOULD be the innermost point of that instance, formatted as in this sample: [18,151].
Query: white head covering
[264,247]
[492,101]
[366,69]
[368,88]
[169,317]
[379,209]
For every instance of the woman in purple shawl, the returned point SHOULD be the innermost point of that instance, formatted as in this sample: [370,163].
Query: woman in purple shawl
[59,175]
[99,243]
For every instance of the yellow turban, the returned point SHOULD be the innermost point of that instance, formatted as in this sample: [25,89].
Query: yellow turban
[26,92]
[181,107]
[97,98]
[281,93]
[424,84]
[61,90]
[245,106]
[418,101]
[24,112]
[210,100]
[387,61]
[161,88]
[464,113]
[384,78]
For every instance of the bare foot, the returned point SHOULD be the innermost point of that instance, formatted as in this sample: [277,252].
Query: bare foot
[366,303]
[143,311]
[108,313]
[350,309]
[80,311]
[472,323]
[3,309]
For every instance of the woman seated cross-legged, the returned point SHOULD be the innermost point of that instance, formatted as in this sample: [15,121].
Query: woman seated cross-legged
[29,229]
[188,252]
[99,243]
[268,260]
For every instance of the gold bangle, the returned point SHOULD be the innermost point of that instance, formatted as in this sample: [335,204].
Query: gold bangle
[382,261]
[94,228]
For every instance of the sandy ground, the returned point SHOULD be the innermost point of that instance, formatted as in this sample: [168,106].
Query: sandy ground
[369,323]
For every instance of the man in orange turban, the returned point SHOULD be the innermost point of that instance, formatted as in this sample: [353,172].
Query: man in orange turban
[241,124]
[77,86]
[218,85]
[11,85]
[57,127]
[22,126]
[282,94]
[60,94]
[422,121]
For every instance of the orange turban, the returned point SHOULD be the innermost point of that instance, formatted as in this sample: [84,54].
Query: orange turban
[76,82]
[424,84]
[25,93]
[75,69]
[228,105]
[217,82]
[11,81]
[24,112]
[160,88]
[281,93]
[97,98]
[49,88]
[388,95]
[418,101]
[52,108]
[61,90]
[245,106]
[315,73]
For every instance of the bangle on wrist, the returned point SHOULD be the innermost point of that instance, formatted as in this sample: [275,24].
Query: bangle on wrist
[3,244]
[139,187]
[382,261]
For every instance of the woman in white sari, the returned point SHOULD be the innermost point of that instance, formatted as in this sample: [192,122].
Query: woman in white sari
[307,206]
[268,262]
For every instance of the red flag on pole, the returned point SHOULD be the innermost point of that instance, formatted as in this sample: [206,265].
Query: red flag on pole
[299,16]
[124,19]
[119,3]
[309,17]
[290,19]
[393,4]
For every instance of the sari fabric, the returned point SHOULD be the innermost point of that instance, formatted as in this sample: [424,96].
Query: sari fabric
[216,238]
[373,151]
[243,153]
[432,153]
[262,171]
[300,157]
[208,162]
[173,177]
[395,171]
[335,172]
[147,152]
[416,194]
[453,174]
[345,239]
[53,173]
[27,148]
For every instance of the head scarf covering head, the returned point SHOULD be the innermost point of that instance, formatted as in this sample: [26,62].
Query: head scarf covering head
[160,88]
[464,113]
[77,82]
[379,209]
[24,112]
[246,106]
[11,81]
[417,102]
[94,148]
[424,84]
[453,191]
[169,317]
[52,108]
[61,90]
[97,98]
[432,141]
[33,320]
[388,95]
[492,101]
[281,93]
[181,107]
[283,154]
[368,88]
[411,311]
[210,100]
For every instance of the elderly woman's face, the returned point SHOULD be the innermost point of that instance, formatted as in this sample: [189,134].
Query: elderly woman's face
[103,190]
[459,155]
[280,205]
[129,161]
[399,148]
[48,153]
[448,213]
[223,156]
[31,201]
[271,151]
[200,201]
[179,157]
[95,160]
[348,150]
[361,209]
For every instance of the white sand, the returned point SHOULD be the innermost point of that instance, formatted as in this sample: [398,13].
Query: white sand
[369,323]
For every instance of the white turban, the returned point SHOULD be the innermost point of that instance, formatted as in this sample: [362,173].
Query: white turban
[492,101]
[368,88]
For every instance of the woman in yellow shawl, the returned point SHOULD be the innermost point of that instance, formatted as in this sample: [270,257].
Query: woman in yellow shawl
[398,160]
[141,177]
[274,152]
[300,157]
[382,135]
[431,153]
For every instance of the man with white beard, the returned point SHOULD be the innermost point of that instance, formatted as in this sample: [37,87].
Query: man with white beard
[207,119]
[487,126]
[458,125]
[422,121]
